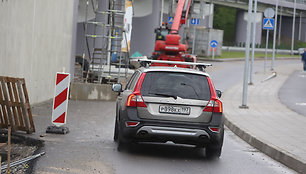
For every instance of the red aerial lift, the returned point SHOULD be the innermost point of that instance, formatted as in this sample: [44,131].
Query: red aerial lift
[168,46]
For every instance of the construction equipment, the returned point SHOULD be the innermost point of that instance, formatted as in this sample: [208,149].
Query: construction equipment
[167,45]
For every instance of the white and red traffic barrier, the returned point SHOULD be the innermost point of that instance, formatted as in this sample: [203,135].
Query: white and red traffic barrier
[60,101]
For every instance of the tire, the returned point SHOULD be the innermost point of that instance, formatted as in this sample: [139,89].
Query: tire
[214,150]
[116,132]
[122,144]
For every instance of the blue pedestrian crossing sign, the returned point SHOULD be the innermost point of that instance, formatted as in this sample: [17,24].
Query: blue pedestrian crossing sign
[268,24]
[194,21]
[214,43]
[170,20]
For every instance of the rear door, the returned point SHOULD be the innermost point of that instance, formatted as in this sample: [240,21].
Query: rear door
[175,96]
[129,88]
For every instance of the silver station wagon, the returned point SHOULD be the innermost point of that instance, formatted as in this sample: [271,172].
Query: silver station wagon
[161,104]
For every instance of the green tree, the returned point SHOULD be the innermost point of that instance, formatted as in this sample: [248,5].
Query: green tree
[225,19]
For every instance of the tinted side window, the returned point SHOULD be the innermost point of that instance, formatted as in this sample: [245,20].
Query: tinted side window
[128,86]
[133,80]
[184,85]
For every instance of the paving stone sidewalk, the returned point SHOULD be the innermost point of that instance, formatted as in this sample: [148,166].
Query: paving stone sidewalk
[268,125]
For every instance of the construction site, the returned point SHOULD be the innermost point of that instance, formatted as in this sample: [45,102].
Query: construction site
[53,52]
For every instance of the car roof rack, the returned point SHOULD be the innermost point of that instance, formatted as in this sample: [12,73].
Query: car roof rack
[147,62]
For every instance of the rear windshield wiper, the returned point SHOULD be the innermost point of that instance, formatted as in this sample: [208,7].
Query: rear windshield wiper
[165,95]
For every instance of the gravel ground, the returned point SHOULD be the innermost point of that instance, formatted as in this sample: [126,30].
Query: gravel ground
[21,147]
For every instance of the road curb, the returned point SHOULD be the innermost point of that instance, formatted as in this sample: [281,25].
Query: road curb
[277,154]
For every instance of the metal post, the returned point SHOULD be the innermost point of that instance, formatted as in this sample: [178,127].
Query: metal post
[213,53]
[300,26]
[247,56]
[211,15]
[266,52]
[280,27]
[85,41]
[109,46]
[161,13]
[8,148]
[293,27]
[194,38]
[253,42]
[274,36]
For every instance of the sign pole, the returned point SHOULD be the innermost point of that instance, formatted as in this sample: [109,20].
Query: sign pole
[194,22]
[213,45]
[266,51]
[268,24]
[194,38]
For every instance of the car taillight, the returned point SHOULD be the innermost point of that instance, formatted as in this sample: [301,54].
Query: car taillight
[131,123]
[214,129]
[135,100]
[214,105]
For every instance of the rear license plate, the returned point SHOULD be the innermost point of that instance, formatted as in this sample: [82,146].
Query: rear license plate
[174,110]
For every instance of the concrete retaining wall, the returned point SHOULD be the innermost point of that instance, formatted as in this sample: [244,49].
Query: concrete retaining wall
[36,42]
[90,91]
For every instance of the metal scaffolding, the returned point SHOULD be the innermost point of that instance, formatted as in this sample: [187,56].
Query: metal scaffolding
[107,62]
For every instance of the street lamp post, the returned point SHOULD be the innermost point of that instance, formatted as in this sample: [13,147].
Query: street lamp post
[247,56]
[280,27]
[161,13]
[253,42]
[300,26]
[274,36]
[293,27]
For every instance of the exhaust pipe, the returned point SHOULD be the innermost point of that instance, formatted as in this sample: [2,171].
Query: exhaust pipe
[203,137]
[143,133]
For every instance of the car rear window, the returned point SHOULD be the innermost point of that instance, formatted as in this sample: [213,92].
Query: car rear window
[184,85]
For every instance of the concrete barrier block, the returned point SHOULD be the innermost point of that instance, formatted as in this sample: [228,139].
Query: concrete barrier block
[90,91]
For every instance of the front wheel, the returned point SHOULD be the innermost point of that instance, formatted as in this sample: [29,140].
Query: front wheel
[121,143]
[116,132]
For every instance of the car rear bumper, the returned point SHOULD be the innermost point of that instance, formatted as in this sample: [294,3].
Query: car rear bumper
[172,132]
[163,131]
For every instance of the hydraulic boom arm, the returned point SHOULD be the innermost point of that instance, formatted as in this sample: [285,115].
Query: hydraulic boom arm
[181,14]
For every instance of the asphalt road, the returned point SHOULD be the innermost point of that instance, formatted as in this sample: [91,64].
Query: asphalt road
[89,147]
[293,92]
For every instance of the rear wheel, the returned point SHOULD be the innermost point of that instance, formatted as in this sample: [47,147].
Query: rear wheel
[214,150]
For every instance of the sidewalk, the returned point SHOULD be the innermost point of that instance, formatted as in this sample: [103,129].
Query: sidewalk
[268,125]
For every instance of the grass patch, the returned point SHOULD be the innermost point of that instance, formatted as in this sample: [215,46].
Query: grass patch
[238,54]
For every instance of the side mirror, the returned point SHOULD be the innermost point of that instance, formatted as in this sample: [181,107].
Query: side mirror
[117,87]
[219,93]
